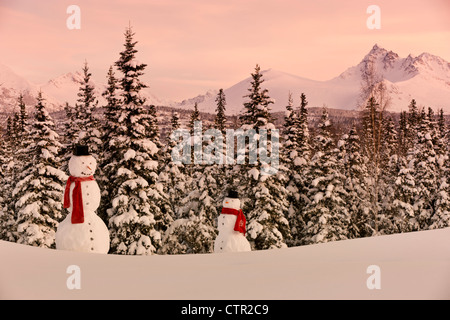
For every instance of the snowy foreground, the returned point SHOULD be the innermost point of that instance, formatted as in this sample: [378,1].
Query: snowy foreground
[411,266]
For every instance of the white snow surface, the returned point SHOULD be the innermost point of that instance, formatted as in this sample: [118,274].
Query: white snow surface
[412,266]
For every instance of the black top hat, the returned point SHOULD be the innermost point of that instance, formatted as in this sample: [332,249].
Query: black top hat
[233,194]
[81,151]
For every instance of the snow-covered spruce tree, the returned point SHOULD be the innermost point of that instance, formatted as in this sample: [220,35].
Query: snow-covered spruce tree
[264,194]
[326,215]
[256,113]
[22,124]
[288,164]
[136,216]
[85,118]
[372,121]
[390,163]
[405,192]
[300,169]
[111,112]
[356,186]
[222,171]
[111,109]
[441,216]
[424,163]
[192,168]
[195,229]
[153,129]
[412,122]
[172,174]
[220,120]
[402,134]
[439,142]
[71,131]
[7,180]
[195,116]
[290,147]
[40,186]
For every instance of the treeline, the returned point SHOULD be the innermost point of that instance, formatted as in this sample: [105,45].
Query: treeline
[383,176]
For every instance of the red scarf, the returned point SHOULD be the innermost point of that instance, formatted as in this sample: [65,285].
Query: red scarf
[240,220]
[77,212]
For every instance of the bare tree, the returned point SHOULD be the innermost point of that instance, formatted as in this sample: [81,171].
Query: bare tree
[374,101]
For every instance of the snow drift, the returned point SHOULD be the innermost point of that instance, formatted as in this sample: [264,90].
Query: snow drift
[412,266]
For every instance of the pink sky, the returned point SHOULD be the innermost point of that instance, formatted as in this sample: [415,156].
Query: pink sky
[193,46]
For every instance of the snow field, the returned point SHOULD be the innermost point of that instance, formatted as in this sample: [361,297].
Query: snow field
[411,266]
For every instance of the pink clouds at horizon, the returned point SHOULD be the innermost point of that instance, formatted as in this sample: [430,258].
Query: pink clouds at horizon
[193,46]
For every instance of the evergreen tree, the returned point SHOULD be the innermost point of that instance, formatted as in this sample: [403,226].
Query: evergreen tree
[373,130]
[301,169]
[412,124]
[390,164]
[136,214]
[172,174]
[356,187]
[289,159]
[257,109]
[402,209]
[220,120]
[23,117]
[326,215]
[402,134]
[109,129]
[195,229]
[39,189]
[7,179]
[111,109]
[425,176]
[85,119]
[263,191]
[195,116]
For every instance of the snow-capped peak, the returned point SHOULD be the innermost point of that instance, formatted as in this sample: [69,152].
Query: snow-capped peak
[425,78]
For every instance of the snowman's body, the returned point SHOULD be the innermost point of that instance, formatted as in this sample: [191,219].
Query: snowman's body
[92,235]
[228,239]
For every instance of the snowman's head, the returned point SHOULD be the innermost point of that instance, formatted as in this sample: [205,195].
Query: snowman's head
[232,203]
[82,166]
[82,163]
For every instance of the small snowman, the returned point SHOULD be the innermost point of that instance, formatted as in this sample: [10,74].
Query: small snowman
[82,230]
[231,226]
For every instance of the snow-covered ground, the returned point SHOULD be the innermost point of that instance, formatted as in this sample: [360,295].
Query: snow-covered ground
[411,266]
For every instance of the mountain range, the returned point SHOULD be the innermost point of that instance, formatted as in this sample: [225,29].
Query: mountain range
[56,91]
[425,78]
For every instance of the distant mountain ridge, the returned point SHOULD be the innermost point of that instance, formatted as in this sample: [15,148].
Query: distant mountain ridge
[56,91]
[425,78]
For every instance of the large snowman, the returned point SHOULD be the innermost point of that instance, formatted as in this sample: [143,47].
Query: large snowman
[231,226]
[82,230]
